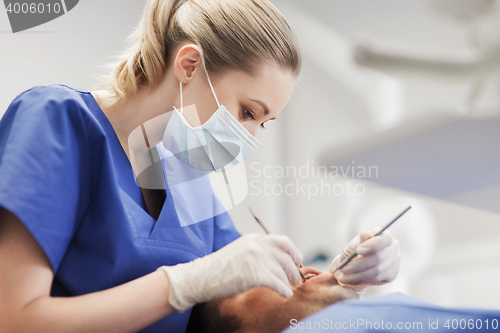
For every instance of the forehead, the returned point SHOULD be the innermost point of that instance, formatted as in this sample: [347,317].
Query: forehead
[269,84]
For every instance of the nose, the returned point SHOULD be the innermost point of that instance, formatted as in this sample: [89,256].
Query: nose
[334,279]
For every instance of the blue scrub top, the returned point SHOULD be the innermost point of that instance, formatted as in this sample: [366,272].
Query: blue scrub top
[64,174]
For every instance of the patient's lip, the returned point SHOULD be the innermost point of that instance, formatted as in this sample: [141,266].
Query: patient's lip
[332,279]
[310,270]
[312,273]
[317,274]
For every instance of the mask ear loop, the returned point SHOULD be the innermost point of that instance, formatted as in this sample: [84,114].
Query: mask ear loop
[182,106]
[210,83]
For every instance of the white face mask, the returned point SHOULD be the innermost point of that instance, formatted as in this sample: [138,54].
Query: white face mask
[217,145]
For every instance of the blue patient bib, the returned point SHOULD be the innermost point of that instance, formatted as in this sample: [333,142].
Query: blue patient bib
[396,313]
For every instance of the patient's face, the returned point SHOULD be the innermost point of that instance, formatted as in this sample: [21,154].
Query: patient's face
[263,310]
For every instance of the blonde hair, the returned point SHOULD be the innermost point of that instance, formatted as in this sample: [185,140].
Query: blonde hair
[233,34]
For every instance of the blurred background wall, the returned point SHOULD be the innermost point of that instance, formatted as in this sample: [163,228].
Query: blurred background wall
[398,104]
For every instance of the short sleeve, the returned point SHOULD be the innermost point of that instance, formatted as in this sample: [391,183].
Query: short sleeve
[225,231]
[45,166]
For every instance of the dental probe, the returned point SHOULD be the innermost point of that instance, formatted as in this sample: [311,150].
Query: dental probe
[354,254]
[268,233]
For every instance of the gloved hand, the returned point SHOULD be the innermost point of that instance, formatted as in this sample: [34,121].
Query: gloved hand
[250,261]
[378,261]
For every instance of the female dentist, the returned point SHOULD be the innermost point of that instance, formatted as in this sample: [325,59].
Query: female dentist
[82,246]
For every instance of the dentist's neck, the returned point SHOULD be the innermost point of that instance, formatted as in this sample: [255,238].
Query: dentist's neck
[147,104]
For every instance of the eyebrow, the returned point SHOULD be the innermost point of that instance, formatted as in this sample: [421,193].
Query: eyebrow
[266,109]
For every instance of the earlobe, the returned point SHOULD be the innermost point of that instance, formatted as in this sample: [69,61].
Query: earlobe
[186,62]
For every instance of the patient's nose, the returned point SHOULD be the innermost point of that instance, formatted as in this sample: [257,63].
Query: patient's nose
[334,279]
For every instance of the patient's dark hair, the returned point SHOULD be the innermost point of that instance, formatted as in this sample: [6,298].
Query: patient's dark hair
[206,318]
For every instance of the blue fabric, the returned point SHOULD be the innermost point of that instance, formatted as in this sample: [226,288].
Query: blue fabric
[384,313]
[64,174]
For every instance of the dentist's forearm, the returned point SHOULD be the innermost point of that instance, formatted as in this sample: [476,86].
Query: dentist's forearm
[26,305]
[126,308]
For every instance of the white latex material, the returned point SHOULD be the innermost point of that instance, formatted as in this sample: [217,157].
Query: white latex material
[250,261]
[377,263]
[216,145]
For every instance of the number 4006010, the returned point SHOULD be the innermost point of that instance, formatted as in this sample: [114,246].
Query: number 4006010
[33,8]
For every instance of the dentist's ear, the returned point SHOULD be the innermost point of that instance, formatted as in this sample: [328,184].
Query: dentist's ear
[188,59]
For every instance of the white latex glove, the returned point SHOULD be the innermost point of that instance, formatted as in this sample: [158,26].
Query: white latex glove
[250,261]
[378,261]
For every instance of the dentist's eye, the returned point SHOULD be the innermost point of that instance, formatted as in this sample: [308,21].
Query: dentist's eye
[248,114]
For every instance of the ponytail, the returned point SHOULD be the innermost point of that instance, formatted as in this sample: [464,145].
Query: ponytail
[234,34]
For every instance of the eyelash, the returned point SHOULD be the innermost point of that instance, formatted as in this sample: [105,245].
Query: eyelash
[247,113]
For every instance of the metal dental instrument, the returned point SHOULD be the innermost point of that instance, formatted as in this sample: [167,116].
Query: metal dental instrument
[354,254]
[268,233]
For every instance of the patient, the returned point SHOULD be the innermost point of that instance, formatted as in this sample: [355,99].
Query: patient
[263,310]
